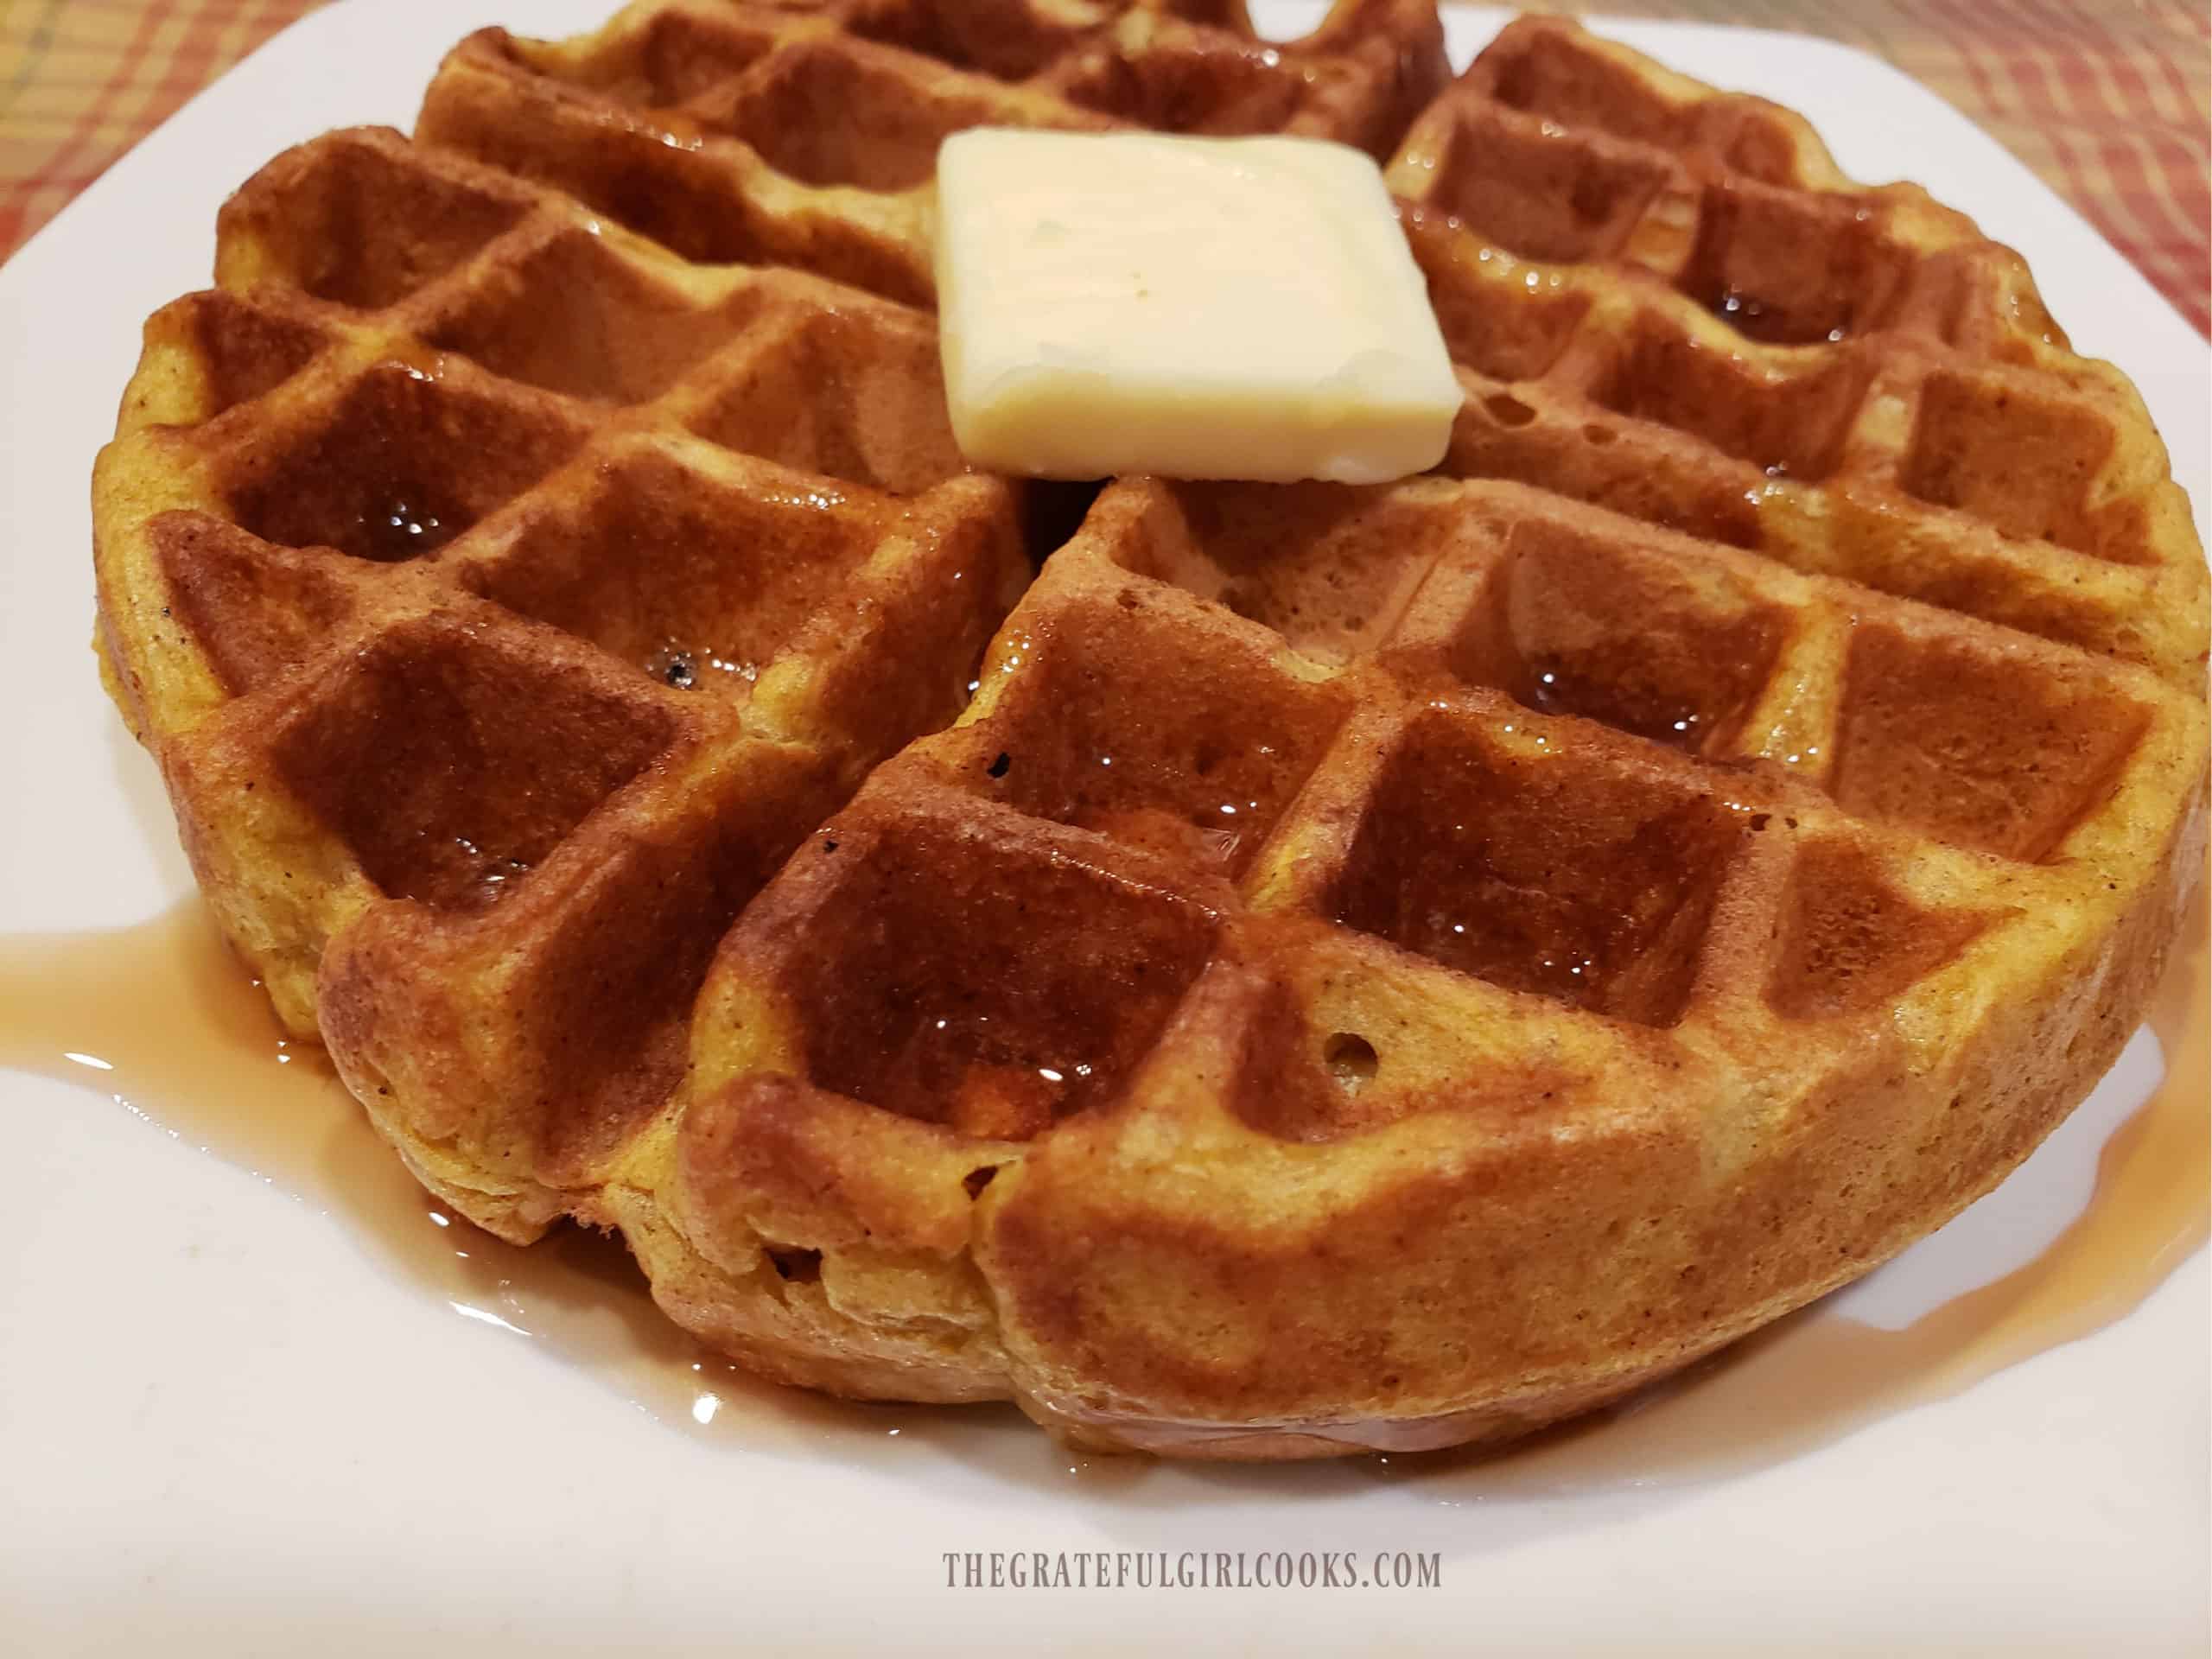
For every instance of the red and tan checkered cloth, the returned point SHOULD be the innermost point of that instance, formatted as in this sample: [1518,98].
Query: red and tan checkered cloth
[2108,99]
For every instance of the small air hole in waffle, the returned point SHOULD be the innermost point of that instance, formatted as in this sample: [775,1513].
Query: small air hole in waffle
[793,1265]
[1305,1076]
[1508,410]
[975,1180]
[1351,1061]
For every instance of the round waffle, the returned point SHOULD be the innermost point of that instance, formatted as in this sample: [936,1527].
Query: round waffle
[1297,969]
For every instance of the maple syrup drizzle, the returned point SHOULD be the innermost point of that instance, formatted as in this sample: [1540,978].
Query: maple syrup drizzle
[159,1018]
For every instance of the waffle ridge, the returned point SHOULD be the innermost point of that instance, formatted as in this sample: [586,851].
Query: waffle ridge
[1299,969]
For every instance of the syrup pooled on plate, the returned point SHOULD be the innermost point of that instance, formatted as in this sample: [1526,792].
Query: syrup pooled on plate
[161,1020]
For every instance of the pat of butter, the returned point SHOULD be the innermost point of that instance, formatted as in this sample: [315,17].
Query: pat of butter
[1195,308]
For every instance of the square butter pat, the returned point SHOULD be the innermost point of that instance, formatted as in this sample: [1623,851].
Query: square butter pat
[1196,308]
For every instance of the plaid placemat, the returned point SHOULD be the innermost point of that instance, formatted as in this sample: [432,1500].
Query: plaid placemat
[2107,99]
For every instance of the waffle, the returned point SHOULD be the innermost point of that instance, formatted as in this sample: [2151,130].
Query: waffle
[1300,969]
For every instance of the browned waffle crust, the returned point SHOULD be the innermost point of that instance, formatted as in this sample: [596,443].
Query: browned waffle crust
[1303,969]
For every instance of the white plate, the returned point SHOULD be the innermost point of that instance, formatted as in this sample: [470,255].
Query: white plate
[229,1423]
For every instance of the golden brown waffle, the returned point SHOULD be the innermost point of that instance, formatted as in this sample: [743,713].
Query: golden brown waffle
[796,135]
[1670,302]
[1349,968]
